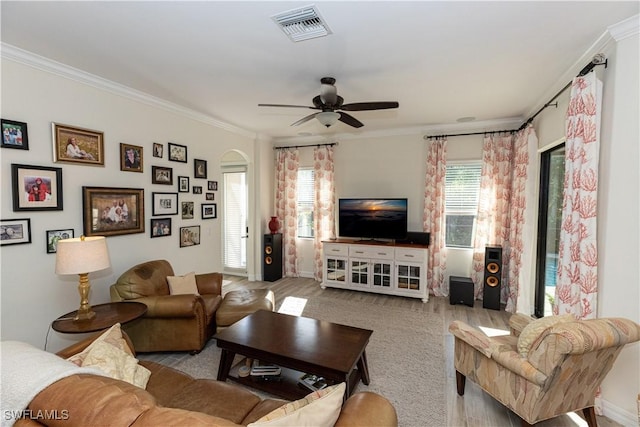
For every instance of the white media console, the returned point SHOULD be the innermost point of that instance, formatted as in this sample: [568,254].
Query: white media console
[380,267]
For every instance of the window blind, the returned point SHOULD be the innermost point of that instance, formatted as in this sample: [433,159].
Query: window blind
[305,202]
[462,188]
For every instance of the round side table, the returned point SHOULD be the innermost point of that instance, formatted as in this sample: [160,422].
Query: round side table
[106,316]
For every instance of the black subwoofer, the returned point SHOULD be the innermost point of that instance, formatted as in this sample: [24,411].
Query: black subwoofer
[492,277]
[272,257]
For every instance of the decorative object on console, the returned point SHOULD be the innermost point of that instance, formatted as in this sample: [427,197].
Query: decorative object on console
[77,145]
[274,225]
[492,277]
[36,188]
[82,256]
[14,135]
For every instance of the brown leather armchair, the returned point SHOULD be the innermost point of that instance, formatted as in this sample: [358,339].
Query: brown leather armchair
[172,322]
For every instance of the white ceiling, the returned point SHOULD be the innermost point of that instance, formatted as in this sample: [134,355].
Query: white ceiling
[440,60]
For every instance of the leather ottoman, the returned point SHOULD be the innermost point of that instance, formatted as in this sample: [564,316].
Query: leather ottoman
[238,304]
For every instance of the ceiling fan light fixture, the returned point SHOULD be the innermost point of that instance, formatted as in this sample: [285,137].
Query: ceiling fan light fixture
[328,118]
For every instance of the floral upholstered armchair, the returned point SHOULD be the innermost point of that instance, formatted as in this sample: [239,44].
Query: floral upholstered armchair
[545,367]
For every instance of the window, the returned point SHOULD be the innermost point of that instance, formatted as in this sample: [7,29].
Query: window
[305,202]
[462,189]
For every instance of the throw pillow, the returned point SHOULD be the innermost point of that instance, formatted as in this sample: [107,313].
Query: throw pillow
[179,285]
[111,354]
[533,330]
[319,409]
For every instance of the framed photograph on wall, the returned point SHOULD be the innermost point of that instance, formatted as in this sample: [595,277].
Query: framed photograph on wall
[15,231]
[212,185]
[112,211]
[197,189]
[54,236]
[187,210]
[161,175]
[209,210]
[164,203]
[210,196]
[131,158]
[183,184]
[36,188]
[77,145]
[177,152]
[160,227]
[189,236]
[14,135]
[158,150]
[200,168]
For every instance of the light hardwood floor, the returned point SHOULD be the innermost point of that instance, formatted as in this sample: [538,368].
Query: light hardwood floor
[475,408]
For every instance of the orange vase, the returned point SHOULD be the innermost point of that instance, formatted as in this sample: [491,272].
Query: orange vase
[274,224]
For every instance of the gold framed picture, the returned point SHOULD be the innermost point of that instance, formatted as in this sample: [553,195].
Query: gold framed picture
[112,211]
[131,158]
[77,145]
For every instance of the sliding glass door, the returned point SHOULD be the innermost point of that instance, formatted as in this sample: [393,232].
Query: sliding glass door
[549,224]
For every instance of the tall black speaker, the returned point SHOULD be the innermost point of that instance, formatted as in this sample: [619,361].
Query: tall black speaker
[492,277]
[272,257]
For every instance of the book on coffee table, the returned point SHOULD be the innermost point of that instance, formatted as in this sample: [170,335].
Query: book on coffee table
[260,369]
[312,382]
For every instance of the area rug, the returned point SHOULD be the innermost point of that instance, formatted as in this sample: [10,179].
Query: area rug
[405,355]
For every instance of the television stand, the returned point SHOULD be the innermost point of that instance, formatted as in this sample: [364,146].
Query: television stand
[375,266]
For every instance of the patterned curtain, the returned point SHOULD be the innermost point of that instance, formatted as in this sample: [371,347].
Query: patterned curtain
[324,219]
[286,206]
[577,284]
[522,217]
[434,216]
[492,222]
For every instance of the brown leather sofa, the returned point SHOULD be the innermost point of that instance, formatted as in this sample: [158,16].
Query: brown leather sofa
[172,322]
[173,398]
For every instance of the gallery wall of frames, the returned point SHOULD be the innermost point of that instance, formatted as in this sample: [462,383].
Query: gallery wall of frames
[106,210]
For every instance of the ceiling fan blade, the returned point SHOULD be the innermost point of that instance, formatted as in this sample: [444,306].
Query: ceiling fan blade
[350,120]
[287,105]
[364,106]
[304,119]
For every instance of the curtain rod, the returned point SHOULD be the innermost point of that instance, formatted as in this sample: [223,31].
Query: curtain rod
[331,144]
[598,59]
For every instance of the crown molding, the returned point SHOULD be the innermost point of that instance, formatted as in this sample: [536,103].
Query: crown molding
[15,54]
[627,28]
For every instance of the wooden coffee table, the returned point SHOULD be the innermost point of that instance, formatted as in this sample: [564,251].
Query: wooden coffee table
[303,345]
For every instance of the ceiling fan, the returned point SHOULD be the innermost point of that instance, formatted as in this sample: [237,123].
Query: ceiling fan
[332,107]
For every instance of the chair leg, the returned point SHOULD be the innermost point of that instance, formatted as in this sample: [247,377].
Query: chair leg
[590,416]
[460,382]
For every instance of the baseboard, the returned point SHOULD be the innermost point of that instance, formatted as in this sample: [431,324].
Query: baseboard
[619,415]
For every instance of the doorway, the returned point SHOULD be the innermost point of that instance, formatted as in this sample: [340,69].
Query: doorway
[235,219]
[549,224]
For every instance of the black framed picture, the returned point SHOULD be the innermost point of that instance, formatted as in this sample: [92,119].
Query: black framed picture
[158,150]
[183,184]
[189,236]
[209,210]
[15,231]
[200,168]
[131,158]
[187,210]
[36,188]
[212,185]
[160,227]
[109,211]
[197,189]
[164,203]
[210,196]
[54,236]
[177,152]
[14,135]
[161,175]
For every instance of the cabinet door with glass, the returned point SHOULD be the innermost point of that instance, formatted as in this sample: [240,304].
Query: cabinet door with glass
[410,272]
[359,270]
[382,275]
[335,270]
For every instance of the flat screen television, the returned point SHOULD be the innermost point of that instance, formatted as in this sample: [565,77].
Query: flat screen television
[372,218]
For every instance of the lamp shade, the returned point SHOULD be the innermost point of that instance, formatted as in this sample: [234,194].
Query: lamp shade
[82,255]
[328,118]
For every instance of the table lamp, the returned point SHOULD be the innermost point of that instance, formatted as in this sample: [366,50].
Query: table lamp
[82,255]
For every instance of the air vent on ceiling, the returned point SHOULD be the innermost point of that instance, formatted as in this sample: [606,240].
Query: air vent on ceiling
[302,23]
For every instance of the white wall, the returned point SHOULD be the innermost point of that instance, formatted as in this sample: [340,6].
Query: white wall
[32,295]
